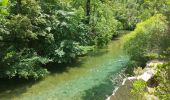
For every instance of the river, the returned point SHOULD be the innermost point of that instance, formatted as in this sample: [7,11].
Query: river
[89,79]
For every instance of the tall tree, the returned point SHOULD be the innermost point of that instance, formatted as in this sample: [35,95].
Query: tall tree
[88,10]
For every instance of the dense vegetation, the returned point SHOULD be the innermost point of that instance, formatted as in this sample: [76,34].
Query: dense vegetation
[149,41]
[36,33]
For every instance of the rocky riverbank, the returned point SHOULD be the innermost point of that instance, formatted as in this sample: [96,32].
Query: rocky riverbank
[123,92]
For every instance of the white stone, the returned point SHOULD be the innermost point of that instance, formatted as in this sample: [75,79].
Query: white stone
[149,72]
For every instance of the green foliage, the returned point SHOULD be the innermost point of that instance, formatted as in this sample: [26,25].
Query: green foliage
[127,13]
[103,24]
[34,33]
[163,73]
[3,7]
[131,12]
[32,36]
[25,64]
[148,38]
[38,32]
[138,90]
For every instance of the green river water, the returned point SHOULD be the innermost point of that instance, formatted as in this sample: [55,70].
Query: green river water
[89,79]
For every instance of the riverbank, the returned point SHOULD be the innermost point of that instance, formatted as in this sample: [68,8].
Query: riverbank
[124,91]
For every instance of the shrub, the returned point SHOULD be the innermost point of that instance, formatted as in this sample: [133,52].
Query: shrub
[163,73]
[138,90]
[148,37]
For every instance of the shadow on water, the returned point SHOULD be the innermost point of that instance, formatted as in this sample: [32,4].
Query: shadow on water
[10,88]
[98,53]
[14,87]
[99,92]
[54,68]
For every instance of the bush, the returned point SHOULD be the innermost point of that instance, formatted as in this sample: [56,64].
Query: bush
[148,38]
[138,90]
[163,73]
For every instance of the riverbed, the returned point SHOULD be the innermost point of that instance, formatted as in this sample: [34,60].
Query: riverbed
[89,79]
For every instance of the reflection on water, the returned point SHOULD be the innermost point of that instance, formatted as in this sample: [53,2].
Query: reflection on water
[88,79]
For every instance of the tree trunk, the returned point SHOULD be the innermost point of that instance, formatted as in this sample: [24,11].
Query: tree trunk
[88,11]
[18,6]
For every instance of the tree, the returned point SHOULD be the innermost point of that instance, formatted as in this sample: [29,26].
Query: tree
[88,10]
[33,35]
